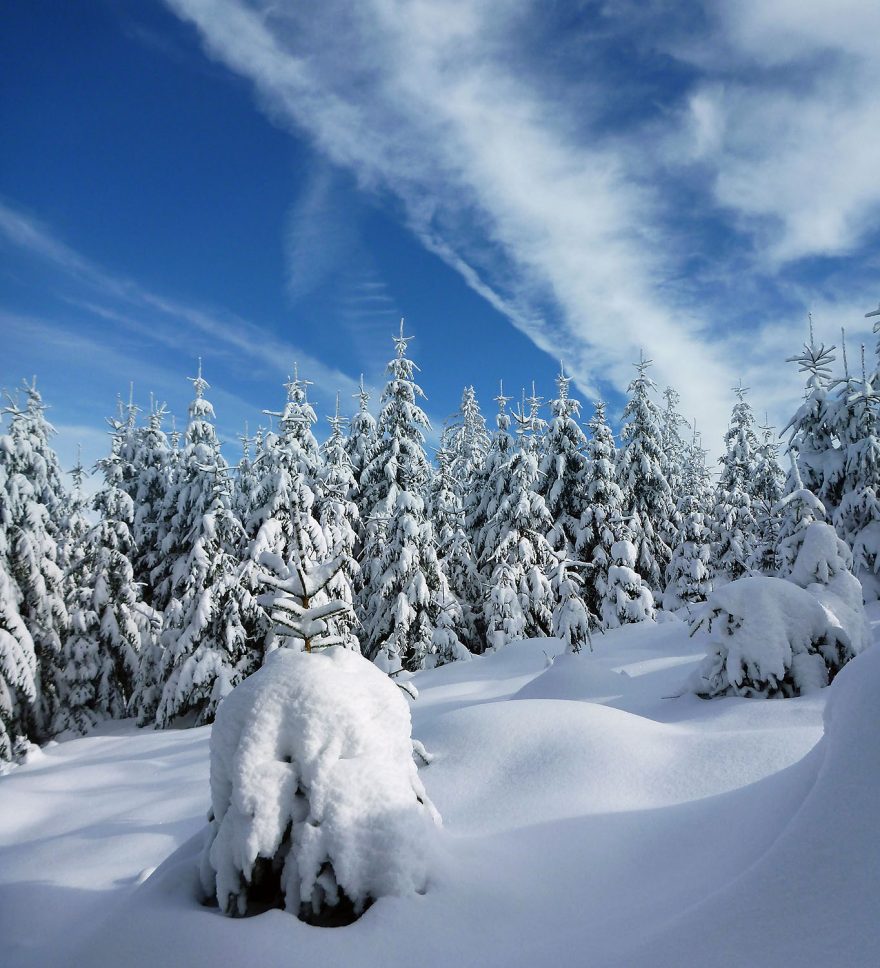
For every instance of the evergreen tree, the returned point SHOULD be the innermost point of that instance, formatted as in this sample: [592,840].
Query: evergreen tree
[454,550]
[212,622]
[152,463]
[35,506]
[688,576]
[767,492]
[18,660]
[338,517]
[516,536]
[857,519]
[799,509]
[811,437]
[482,502]
[401,598]
[627,598]
[361,436]
[674,456]
[467,443]
[564,469]
[640,475]
[572,620]
[100,657]
[735,528]
[247,478]
[604,507]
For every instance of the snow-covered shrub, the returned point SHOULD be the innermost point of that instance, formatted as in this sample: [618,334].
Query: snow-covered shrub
[777,637]
[316,802]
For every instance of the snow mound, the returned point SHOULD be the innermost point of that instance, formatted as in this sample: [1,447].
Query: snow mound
[577,678]
[811,898]
[316,801]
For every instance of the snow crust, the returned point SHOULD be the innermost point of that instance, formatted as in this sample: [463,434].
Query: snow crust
[313,786]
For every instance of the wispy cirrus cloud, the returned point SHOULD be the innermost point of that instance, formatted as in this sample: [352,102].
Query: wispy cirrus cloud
[161,319]
[576,224]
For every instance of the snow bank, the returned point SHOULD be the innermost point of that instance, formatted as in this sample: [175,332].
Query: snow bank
[316,801]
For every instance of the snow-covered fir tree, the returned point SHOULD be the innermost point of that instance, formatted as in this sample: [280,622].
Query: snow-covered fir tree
[454,550]
[34,505]
[646,492]
[483,500]
[401,598]
[799,509]
[767,491]
[339,520]
[564,468]
[467,442]
[247,477]
[516,542]
[18,660]
[152,466]
[688,575]
[572,620]
[212,622]
[627,598]
[361,433]
[857,518]
[811,436]
[100,656]
[603,507]
[734,525]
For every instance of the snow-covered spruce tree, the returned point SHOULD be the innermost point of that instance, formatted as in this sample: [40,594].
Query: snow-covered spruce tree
[516,542]
[339,520]
[401,598]
[538,429]
[799,509]
[467,442]
[454,551]
[213,621]
[100,656]
[482,501]
[247,478]
[734,525]
[564,469]
[641,478]
[361,436]
[857,518]
[34,496]
[672,442]
[285,506]
[152,464]
[627,598]
[603,506]
[811,436]
[688,576]
[572,620]
[767,492]
[18,660]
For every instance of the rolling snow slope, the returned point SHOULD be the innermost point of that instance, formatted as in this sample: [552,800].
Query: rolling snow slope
[591,816]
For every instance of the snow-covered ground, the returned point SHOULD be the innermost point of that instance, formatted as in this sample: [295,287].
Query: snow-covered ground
[592,815]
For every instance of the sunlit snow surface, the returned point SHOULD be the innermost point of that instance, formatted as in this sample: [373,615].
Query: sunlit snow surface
[592,816]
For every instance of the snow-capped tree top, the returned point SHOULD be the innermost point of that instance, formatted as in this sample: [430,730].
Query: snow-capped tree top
[468,439]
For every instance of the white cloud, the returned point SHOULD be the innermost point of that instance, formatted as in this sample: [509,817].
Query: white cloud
[787,120]
[421,99]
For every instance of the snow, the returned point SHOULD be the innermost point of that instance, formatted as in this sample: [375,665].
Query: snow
[594,812]
[312,772]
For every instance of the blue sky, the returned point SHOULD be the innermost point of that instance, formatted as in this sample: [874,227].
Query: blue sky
[259,183]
